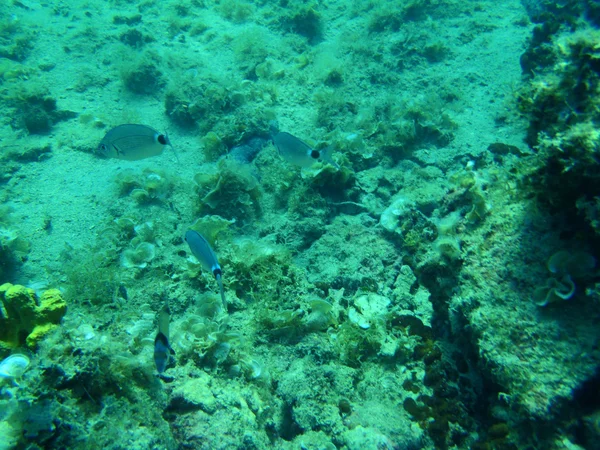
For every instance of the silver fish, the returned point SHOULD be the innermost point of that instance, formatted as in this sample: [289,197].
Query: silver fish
[133,142]
[206,256]
[162,349]
[299,152]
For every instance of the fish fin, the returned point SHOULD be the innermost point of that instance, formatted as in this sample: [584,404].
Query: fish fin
[326,156]
[172,148]
[166,378]
[118,150]
[176,154]
[223,300]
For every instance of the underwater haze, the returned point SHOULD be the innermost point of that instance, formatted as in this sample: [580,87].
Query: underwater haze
[299,225]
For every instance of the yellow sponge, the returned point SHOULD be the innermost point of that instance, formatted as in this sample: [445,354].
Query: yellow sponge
[25,318]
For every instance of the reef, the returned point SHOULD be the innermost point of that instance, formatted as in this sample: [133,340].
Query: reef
[432,285]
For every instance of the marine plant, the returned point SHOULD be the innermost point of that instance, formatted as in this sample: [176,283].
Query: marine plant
[35,109]
[566,267]
[303,19]
[355,345]
[390,16]
[93,272]
[231,192]
[16,41]
[555,290]
[562,106]
[142,74]
[211,226]
[212,146]
[205,339]
[138,256]
[260,270]
[201,103]
[150,186]
[284,325]
[236,11]
[322,315]
[397,127]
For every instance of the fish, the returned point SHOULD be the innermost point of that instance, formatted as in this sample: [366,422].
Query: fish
[246,152]
[163,353]
[206,256]
[299,153]
[132,142]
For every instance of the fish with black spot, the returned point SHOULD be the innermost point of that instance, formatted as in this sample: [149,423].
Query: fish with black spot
[163,353]
[132,142]
[298,152]
[206,256]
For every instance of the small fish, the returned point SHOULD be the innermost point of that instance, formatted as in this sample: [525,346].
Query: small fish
[133,142]
[246,152]
[299,152]
[206,256]
[162,349]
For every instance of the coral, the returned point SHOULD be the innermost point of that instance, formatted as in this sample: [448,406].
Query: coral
[406,299]
[26,318]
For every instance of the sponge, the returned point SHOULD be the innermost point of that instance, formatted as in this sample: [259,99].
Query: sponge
[26,318]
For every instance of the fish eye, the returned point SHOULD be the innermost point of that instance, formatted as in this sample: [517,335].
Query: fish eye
[315,154]
[162,139]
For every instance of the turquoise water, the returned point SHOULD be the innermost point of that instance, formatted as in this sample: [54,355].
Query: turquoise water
[402,197]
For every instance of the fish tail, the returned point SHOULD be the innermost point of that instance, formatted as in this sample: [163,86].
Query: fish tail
[326,156]
[176,155]
[220,281]
[173,148]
